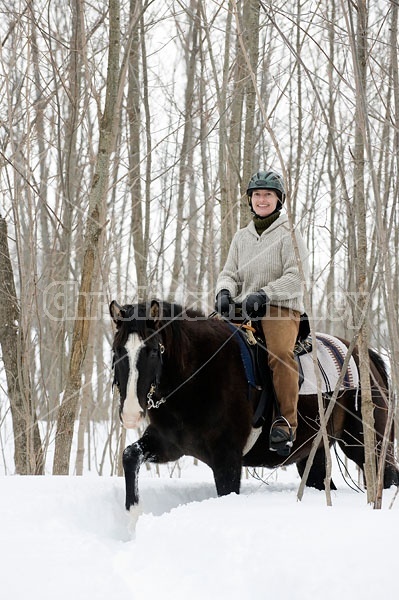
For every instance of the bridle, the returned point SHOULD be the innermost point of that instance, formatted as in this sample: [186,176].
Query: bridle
[153,387]
[151,403]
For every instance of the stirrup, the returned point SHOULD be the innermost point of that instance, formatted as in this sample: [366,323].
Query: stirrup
[280,440]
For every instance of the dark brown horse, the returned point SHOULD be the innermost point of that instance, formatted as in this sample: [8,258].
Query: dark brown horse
[185,373]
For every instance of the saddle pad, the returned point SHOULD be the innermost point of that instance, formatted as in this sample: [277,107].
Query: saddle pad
[331,354]
[246,356]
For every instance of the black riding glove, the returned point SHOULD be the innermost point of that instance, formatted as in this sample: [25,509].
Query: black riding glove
[224,303]
[254,305]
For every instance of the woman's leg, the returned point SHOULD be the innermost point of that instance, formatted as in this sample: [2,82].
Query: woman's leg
[280,327]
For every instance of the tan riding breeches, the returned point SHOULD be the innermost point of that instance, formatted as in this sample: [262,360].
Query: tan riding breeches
[280,327]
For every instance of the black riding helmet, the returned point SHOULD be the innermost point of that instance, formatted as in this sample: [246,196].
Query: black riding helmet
[266,180]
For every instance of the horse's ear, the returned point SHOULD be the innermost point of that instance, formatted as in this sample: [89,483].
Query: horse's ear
[155,311]
[117,313]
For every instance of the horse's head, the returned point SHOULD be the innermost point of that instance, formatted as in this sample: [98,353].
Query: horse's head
[143,333]
[137,358]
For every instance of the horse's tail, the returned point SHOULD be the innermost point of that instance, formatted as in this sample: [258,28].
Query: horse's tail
[382,397]
[391,475]
[380,365]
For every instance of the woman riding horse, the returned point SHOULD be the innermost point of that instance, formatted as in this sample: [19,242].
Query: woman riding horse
[262,273]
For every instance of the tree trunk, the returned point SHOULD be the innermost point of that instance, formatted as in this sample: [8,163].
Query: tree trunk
[362,274]
[87,392]
[134,117]
[94,225]
[185,170]
[28,453]
[251,11]
[231,204]
[225,183]
[332,175]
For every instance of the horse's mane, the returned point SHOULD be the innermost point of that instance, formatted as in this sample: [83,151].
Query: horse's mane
[145,317]
[182,328]
[175,324]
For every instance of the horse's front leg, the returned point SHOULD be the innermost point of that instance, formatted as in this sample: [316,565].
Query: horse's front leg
[226,466]
[133,457]
[149,448]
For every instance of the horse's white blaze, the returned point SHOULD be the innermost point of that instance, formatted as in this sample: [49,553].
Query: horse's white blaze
[132,412]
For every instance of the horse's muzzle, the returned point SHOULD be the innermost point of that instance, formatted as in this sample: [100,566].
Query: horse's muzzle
[131,422]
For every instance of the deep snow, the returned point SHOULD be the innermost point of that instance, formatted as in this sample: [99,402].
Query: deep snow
[67,538]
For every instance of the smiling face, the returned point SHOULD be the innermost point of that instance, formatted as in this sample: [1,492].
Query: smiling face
[264,202]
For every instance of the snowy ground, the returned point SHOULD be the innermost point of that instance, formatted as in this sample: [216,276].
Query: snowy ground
[67,538]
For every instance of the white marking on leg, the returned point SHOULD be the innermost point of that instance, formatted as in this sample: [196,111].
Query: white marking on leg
[132,411]
[133,516]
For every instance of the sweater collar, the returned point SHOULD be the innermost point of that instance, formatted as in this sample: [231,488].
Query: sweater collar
[263,223]
[282,220]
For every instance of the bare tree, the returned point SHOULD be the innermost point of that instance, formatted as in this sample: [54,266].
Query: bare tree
[94,225]
[250,32]
[363,283]
[185,177]
[28,453]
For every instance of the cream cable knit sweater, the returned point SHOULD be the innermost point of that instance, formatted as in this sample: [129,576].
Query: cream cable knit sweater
[265,262]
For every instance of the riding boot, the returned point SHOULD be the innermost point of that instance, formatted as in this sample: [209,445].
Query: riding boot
[282,437]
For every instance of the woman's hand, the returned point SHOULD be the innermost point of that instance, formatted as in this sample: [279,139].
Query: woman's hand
[224,303]
[254,305]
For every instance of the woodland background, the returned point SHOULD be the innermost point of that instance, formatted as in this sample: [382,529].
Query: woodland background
[128,132]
